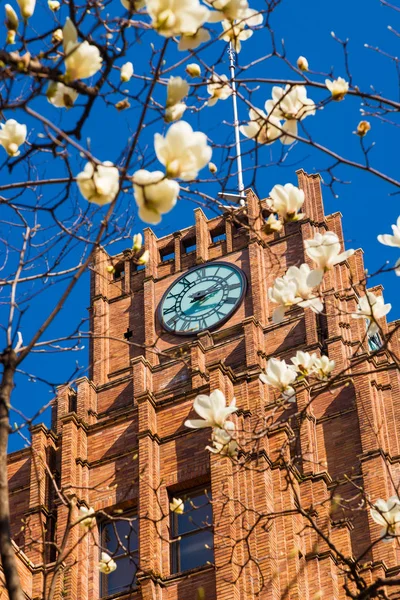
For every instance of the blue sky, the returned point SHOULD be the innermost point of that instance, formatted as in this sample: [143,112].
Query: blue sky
[367,203]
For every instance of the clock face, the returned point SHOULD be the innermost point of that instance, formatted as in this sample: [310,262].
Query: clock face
[203,298]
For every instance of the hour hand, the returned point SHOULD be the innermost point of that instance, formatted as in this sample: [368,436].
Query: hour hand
[203,293]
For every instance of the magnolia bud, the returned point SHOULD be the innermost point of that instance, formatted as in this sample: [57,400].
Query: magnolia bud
[137,242]
[122,104]
[142,260]
[53,5]
[193,70]
[27,7]
[302,63]
[110,269]
[57,36]
[126,71]
[10,36]
[11,18]
[363,127]
[212,167]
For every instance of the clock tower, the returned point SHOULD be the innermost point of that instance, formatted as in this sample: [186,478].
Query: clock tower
[194,319]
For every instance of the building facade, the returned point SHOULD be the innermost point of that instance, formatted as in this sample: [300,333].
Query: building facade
[118,441]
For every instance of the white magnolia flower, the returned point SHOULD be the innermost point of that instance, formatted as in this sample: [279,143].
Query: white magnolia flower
[191,41]
[397,267]
[11,18]
[304,363]
[27,7]
[106,564]
[234,10]
[222,441]
[387,514]
[144,258]
[154,194]
[338,88]
[177,17]
[137,242]
[177,89]
[306,279]
[286,200]
[324,250]
[57,36]
[372,308]
[82,60]
[280,375]
[183,151]
[391,240]
[53,5]
[126,71]
[99,183]
[295,288]
[362,128]
[175,112]
[302,63]
[236,33]
[265,129]
[193,70]
[89,520]
[323,367]
[218,88]
[291,104]
[177,506]
[12,135]
[61,95]
[272,224]
[212,409]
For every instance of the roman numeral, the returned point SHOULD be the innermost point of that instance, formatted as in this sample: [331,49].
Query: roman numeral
[200,273]
[166,311]
[202,323]
[172,322]
[185,325]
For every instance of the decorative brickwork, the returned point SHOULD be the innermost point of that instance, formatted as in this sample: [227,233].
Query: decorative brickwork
[118,440]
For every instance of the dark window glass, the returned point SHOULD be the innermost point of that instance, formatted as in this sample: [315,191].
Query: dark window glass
[119,539]
[119,271]
[189,247]
[192,536]
[218,237]
[374,341]
[168,256]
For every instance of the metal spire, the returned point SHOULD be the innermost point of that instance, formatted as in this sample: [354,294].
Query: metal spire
[241,195]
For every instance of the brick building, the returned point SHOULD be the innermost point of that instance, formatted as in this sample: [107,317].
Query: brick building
[118,441]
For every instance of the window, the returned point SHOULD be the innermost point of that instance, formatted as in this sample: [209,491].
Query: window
[119,271]
[191,532]
[189,246]
[218,237]
[119,538]
[169,255]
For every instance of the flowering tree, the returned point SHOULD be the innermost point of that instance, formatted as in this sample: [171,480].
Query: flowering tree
[69,70]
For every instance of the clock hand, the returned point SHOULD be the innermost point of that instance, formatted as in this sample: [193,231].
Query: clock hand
[202,294]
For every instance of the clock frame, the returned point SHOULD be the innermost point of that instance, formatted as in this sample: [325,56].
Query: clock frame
[204,267]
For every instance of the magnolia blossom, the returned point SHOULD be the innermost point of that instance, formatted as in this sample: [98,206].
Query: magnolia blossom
[191,41]
[219,89]
[137,242]
[338,88]
[397,267]
[175,112]
[272,224]
[133,4]
[176,506]
[82,60]
[99,183]
[295,288]
[304,363]
[212,167]
[372,308]
[323,367]
[363,127]
[57,36]
[391,240]
[12,135]
[236,33]
[234,10]
[324,250]
[27,7]
[154,194]
[280,375]
[222,441]
[177,89]
[286,200]
[176,17]
[144,258]
[106,564]
[212,409]
[265,129]
[387,514]
[183,151]
[89,519]
[193,70]
[61,95]
[292,105]
[126,71]
[302,63]
[53,5]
